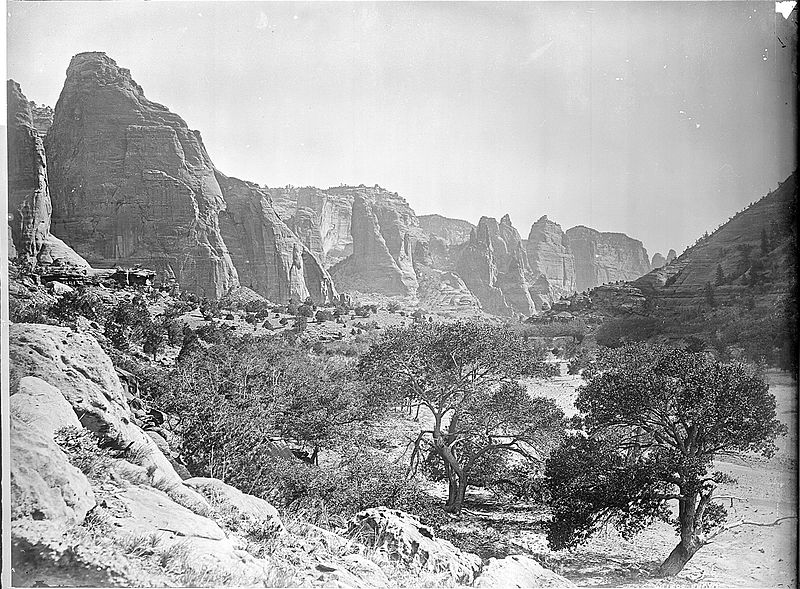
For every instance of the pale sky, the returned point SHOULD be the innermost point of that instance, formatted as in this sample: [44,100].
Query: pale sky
[659,120]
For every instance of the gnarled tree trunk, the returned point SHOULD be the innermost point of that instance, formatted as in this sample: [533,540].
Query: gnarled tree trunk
[690,517]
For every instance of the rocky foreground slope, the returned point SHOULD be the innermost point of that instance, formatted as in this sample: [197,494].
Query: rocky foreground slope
[97,501]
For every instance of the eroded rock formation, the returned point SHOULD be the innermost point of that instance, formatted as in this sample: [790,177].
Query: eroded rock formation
[493,264]
[450,231]
[551,261]
[601,258]
[658,261]
[321,218]
[269,258]
[29,205]
[384,232]
[131,183]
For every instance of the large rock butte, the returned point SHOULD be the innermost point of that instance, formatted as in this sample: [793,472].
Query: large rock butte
[601,258]
[385,233]
[551,260]
[132,184]
[494,265]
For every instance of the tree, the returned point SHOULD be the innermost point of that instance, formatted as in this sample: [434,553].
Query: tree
[719,278]
[708,292]
[230,400]
[655,419]
[765,245]
[153,340]
[465,375]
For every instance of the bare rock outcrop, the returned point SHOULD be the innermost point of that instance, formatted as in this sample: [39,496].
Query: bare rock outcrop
[552,264]
[671,255]
[494,265]
[269,257]
[658,261]
[75,364]
[320,218]
[131,183]
[44,485]
[384,233]
[405,540]
[29,204]
[759,236]
[601,258]
[450,231]
[518,572]
[42,116]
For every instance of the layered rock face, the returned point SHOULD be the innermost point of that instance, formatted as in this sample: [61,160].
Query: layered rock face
[131,184]
[493,264]
[269,258]
[734,249]
[42,116]
[550,258]
[382,258]
[29,205]
[449,231]
[605,257]
[321,218]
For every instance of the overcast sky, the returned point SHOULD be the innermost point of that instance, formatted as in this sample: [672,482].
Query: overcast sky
[659,120]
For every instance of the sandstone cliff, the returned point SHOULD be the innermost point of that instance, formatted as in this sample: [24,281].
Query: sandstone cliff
[269,258]
[601,258]
[42,117]
[131,184]
[494,266]
[658,261]
[321,218]
[29,205]
[551,260]
[383,239]
[450,231]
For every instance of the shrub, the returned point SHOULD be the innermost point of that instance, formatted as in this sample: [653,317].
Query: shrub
[324,315]
[84,453]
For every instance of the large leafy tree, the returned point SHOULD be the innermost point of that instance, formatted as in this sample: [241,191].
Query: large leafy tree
[465,374]
[655,419]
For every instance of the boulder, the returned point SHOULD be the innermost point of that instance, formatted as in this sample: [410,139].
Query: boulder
[404,539]
[41,406]
[44,485]
[518,572]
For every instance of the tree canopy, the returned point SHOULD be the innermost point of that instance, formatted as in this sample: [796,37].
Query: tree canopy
[655,419]
[465,374]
